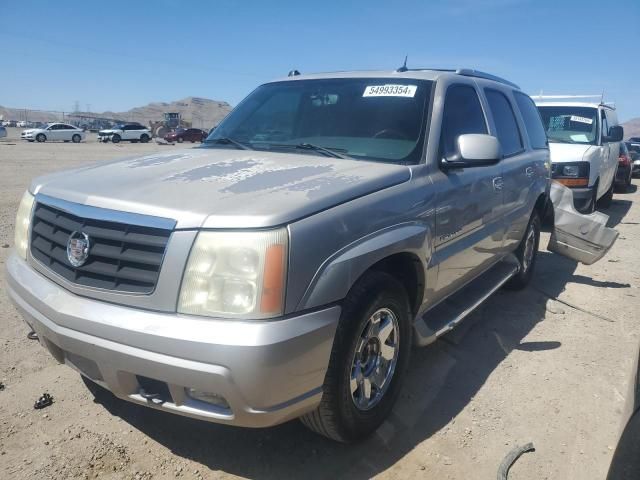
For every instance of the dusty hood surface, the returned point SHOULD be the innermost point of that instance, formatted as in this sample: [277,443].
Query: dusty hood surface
[567,152]
[220,188]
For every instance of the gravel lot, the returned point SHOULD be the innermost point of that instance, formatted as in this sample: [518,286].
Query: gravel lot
[548,365]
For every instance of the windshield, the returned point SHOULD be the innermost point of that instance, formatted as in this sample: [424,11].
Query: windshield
[380,119]
[570,124]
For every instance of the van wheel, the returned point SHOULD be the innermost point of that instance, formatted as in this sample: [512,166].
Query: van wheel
[605,201]
[368,361]
[76,138]
[41,137]
[526,253]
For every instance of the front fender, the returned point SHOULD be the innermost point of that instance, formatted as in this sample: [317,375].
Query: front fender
[338,273]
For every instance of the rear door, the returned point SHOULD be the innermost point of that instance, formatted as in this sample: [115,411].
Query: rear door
[469,227]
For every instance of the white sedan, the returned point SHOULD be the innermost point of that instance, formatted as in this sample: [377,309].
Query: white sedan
[54,132]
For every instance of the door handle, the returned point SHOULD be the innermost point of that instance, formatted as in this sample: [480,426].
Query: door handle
[498,184]
[528,171]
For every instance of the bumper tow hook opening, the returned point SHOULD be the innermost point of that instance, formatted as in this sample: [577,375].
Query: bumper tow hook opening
[151,397]
[44,401]
[32,335]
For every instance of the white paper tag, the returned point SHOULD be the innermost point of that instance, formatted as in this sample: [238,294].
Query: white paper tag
[576,118]
[390,91]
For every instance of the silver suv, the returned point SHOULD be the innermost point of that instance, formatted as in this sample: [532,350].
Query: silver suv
[285,268]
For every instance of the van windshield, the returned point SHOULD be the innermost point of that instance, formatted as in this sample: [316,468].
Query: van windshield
[380,119]
[567,124]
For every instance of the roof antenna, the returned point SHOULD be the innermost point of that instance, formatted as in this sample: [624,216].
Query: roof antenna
[602,97]
[403,68]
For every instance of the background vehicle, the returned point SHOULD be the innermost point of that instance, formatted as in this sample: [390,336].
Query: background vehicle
[3,132]
[634,153]
[54,132]
[584,140]
[172,121]
[313,206]
[131,132]
[22,124]
[625,169]
[189,135]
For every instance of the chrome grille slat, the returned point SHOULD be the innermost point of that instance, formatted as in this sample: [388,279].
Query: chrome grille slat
[122,257]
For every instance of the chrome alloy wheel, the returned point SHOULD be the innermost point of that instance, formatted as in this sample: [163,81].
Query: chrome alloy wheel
[375,359]
[529,246]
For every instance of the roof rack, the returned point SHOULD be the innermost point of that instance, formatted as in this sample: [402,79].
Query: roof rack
[467,72]
[570,97]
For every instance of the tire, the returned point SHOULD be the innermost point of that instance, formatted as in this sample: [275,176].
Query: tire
[526,253]
[338,417]
[605,201]
[76,138]
[115,138]
[144,138]
[180,139]
[41,137]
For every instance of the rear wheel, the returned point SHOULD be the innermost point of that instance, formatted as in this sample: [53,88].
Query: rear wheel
[41,137]
[526,253]
[76,138]
[368,361]
[115,138]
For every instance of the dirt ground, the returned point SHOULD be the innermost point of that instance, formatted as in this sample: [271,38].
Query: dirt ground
[548,365]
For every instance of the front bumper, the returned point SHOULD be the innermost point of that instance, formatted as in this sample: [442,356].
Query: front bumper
[583,199]
[268,372]
[27,136]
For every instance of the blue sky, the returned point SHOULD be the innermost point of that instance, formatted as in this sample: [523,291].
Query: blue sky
[120,54]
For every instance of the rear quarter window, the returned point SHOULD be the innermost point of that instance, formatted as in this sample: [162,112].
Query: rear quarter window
[532,120]
[505,122]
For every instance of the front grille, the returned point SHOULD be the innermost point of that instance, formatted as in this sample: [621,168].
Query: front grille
[122,257]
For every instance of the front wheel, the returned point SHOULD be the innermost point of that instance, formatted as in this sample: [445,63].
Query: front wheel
[180,139]
[607,198]
[41,138]
[368,361]
[116,138]
[526,253]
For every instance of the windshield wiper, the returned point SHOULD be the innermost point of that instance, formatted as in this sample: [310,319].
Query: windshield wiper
[230,141]
[328,151]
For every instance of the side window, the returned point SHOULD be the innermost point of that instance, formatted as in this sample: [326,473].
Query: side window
[532,120]
[505,121]
[605,123]
[462,115]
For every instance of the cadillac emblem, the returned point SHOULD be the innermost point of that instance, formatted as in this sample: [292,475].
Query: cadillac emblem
[78,248]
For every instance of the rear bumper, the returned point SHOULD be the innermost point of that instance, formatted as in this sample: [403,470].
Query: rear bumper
[267,372]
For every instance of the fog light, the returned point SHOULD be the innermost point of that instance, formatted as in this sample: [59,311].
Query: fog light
[208,397]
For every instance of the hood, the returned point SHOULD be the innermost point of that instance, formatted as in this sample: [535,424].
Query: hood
[220,188]
[568,152]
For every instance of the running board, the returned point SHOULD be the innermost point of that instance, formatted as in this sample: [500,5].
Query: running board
[444,316]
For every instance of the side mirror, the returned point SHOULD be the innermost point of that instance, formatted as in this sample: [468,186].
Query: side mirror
[615,134]
[474,150]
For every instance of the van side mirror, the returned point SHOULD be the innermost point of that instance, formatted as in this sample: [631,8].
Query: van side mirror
[615,134]
[474,150]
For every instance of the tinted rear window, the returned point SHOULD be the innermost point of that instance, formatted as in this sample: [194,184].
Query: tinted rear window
[532,120]
[505,121]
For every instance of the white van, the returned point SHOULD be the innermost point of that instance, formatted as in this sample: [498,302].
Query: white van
[584,141]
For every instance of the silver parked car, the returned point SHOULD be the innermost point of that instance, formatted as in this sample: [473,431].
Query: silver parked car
[285,268]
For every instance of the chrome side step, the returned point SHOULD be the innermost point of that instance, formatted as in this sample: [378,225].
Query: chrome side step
[444,316]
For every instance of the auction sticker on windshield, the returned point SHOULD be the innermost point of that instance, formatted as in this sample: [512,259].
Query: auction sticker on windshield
[390,91]
[576,118]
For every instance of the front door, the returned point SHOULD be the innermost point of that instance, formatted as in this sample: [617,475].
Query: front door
[469,227]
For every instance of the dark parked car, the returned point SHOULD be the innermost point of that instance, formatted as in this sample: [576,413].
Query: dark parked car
[623,173]
[634,153]
[625,464]
[186,134]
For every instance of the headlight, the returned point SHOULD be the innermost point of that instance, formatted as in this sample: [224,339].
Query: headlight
[570,170]
[236,274]
[23,219]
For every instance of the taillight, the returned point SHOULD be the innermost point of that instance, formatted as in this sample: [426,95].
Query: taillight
[624,160]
